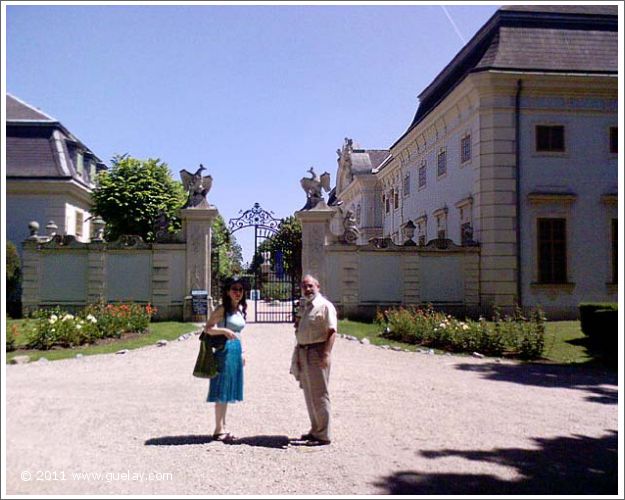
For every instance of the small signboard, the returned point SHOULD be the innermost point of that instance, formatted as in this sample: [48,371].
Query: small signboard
[199,302]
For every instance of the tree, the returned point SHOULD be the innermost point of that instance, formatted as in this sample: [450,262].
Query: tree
[226,253]
[133,193]
[287,242]
[13,281]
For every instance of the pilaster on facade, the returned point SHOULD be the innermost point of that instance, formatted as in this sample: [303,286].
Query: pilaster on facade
[161,295]
[410,271]
[31,272]
[472,280]
[497,196]
[96,273]
[350,283]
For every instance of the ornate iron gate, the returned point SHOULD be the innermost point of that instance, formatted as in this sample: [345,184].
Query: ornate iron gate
[275,276]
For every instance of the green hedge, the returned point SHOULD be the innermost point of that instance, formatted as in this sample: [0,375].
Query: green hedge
[514,335]
[599,320]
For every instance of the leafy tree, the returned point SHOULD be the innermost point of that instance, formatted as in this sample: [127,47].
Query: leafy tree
[286,246]
[13,281]
[226,254]
[132,194]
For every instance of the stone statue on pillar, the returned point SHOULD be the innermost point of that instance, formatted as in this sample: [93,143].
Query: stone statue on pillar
[197,187]
[197,219]
[315,219]
[312,186]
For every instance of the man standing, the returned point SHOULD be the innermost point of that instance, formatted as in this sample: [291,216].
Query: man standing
[315,331]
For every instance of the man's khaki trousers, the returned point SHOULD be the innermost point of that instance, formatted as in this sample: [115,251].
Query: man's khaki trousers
[314,381]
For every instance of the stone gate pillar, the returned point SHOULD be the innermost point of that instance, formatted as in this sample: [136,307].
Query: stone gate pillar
[197,229]
[315,235]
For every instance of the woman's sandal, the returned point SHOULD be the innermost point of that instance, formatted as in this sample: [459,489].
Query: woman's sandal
[224,436]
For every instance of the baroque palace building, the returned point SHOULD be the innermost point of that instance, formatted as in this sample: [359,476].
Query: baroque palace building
[513,149]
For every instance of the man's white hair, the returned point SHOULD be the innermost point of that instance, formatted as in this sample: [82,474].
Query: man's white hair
[315,280]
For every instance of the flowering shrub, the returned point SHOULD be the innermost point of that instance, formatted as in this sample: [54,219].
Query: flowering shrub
[115,319]
[523,335]
[55,327]
[516,335]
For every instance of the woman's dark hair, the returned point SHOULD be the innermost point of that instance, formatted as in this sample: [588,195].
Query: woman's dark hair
[225,297]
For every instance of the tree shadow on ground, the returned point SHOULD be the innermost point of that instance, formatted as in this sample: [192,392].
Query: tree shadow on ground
[556,376]
[601,354]
[576,465]
[280,442]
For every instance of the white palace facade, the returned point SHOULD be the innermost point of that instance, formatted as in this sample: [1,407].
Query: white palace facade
[513,149]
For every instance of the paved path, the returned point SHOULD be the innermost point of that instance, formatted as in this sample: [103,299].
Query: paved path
[403,423]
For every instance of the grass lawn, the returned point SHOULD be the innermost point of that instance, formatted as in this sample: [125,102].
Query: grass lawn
[166,330]
[564,341]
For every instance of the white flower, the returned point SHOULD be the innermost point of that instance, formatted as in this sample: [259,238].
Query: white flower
[443,325]
[465,326]
[67,317]
[53,319]
[78,326]
[91,318]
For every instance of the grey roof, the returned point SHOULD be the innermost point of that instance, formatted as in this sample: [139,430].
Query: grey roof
[543,49]
[19,110]
[39,147]
[31,153]
[378,156]
[567,9]
[524,38]
[365,160]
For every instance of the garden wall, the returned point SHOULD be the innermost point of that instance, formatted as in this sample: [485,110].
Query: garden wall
[71,274]
[362,279]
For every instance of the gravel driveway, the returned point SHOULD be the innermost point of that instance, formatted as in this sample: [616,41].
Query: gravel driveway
[403,423]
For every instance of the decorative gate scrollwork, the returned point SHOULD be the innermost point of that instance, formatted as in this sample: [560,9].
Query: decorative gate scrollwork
[274,282]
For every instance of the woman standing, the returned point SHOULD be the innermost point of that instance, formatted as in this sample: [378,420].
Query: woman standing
[228,319]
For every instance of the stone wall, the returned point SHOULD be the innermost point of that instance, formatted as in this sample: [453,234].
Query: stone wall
[70,274]
[59,270]
[363,279]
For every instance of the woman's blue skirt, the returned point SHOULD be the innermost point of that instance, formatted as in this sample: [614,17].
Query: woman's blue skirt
[227,386]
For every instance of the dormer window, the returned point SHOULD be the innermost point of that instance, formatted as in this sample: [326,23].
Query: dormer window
[80,164]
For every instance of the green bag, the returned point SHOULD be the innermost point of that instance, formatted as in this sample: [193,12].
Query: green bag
[205,364]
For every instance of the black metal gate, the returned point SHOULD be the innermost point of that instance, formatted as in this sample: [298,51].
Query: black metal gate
[275,272]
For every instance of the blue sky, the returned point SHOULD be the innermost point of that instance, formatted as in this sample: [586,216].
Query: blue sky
[256,93]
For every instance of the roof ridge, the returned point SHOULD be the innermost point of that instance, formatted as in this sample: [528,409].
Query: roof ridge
[30,106]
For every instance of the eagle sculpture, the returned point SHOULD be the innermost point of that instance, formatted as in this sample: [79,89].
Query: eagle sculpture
[197,187]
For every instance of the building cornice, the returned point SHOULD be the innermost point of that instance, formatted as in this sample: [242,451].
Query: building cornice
[47,186]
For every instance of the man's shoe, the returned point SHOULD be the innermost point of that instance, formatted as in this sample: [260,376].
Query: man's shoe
[307,437]
[318,442]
